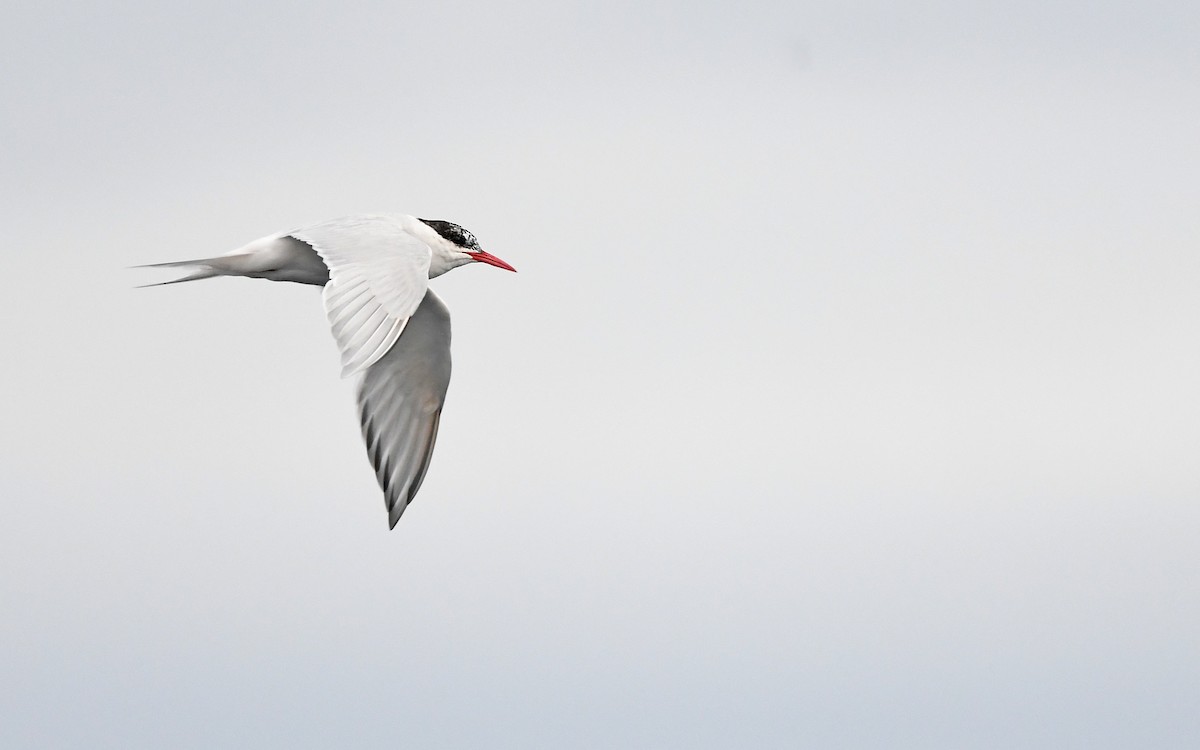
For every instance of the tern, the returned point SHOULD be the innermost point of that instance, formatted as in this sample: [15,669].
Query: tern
[388,324]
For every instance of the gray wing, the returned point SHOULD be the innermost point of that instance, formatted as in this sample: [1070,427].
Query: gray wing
[400,401]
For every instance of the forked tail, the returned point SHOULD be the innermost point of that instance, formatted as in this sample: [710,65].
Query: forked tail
[205,268]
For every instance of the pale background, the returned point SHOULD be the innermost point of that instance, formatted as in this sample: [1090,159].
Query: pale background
[846,396]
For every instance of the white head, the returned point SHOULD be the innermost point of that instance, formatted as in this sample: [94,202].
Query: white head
[451,246]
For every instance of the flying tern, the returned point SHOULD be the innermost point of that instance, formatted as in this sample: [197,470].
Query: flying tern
[388,324]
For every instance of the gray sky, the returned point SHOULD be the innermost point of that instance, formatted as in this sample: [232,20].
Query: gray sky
[846,396]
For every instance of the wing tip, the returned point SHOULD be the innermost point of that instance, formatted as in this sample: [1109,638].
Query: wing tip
[394,514]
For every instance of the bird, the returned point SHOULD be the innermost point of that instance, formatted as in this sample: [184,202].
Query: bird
[390,328]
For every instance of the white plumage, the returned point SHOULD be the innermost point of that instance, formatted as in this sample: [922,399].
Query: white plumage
[378,273]
[387,323]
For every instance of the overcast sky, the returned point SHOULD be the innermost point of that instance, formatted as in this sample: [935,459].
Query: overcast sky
[846,396]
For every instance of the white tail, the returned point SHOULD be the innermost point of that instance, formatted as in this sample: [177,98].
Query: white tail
[205,268]
[279,258]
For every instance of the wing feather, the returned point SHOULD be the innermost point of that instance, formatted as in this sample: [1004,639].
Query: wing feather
[400,399]
[378,274]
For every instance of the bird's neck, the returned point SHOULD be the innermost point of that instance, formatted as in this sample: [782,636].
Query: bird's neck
[439,263]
